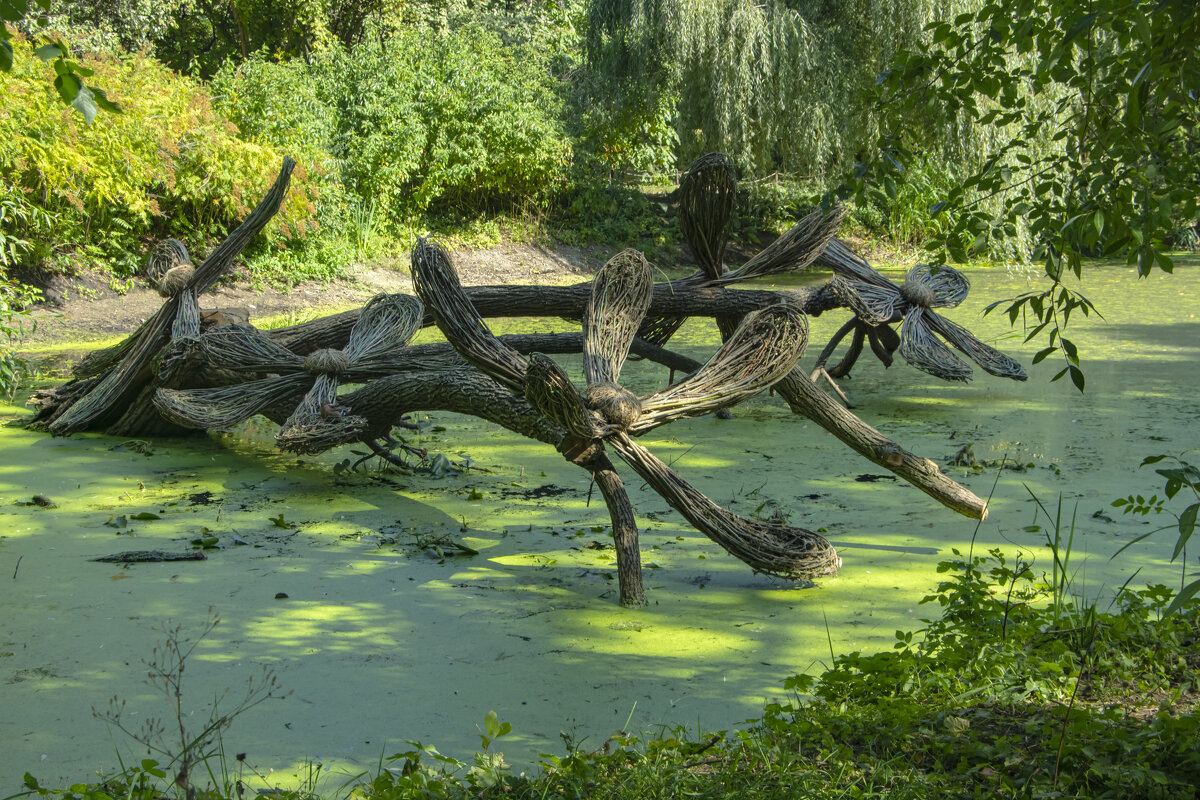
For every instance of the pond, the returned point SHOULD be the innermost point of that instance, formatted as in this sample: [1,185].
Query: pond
[347,584]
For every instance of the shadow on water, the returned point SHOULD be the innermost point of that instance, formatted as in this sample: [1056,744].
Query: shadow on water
[349,587]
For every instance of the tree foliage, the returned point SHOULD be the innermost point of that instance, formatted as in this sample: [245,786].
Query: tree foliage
[1094,106]
[69,74]
[774,84]
[426,117]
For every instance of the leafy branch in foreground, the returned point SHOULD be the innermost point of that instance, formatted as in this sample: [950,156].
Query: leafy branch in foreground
[1085,140]
[68,74]
[1179,477]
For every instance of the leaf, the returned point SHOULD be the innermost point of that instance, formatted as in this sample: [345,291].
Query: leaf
[491,724]
[1185,594]
[956,250]
[6,56]
[1187,524]
[143,515]
[51,51]
[1077,377]
[84,104]
[1152,460]
[205,542]
[31,782]
[1072,352]
[68,88]
[1130,544]
[1042,354]
[104,103]
[11,11]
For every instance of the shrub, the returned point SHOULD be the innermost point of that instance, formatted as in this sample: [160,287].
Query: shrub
[15,300]
[169,165]
[450,118]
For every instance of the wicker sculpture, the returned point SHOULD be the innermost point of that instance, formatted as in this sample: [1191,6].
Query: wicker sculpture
[764,348]
[219,377]
[878,302]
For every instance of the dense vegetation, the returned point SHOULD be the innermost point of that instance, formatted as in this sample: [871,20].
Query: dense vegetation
[447,114]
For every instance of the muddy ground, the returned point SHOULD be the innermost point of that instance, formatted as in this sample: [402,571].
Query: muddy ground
[85,307]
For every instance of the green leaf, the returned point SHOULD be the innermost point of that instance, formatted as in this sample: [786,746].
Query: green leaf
[103,102]
[143,515]
[68,87]
[957,252]
[1043,354]
[6,55]
[13,10]
[491,724]
[51,51]
[1081,25]
[31,782]
[84,104]
[1185,594]
[79,69]
[1151,460]
[1077,377]
[1069,348]
[1187,524]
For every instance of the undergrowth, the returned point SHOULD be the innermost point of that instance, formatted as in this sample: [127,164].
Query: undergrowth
[1012,691]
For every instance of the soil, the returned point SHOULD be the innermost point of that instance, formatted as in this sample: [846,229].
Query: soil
[85,307]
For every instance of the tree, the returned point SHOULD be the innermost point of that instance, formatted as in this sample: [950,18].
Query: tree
[774,84]
[1094,108]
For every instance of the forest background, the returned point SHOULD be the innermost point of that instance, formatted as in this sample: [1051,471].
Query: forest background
[1027,131]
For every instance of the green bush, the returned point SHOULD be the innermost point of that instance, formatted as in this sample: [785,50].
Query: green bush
[279,104]
[769,204]
[15,300]
[444,118]
[616,214]
[169,165]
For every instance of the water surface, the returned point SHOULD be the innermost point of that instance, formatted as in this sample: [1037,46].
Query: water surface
[381,640]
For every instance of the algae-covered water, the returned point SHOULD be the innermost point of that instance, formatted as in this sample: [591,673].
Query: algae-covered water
[346,585]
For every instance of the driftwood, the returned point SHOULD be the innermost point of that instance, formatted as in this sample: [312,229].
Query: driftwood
[151,557]
[173,375]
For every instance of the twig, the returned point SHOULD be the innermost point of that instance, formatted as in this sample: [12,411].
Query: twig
[17,567]
[821,372]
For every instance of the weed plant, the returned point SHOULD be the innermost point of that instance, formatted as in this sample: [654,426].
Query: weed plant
[15,321]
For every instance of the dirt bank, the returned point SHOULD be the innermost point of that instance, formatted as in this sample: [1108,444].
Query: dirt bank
[85,307]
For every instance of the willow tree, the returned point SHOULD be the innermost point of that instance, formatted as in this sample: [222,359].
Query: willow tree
[774,84]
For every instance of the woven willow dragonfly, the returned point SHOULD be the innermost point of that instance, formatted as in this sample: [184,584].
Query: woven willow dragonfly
[762,349]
